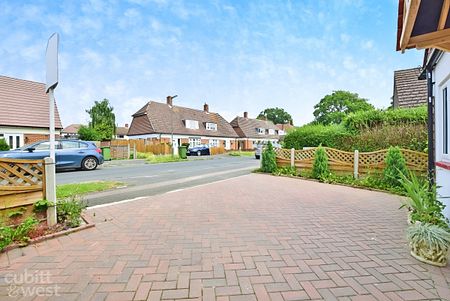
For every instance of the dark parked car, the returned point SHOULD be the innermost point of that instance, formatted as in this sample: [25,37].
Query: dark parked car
[198,150]
[69,154]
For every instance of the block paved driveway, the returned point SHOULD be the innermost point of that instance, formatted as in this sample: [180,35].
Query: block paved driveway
[256,237]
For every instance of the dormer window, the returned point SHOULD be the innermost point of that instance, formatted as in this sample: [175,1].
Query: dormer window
[260,131]
[211,126]
[191,124]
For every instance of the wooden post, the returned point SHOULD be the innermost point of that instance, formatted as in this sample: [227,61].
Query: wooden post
[134,152]
[292,157]
[128,150]
[356,164]
[50,190]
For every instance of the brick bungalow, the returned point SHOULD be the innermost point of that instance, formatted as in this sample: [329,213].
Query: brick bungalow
[161,121]
[409,90]
[24,112]
[253,131]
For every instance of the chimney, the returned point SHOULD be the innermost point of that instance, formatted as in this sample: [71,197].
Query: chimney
[169,100]
[245,114]
[126,125]
[206,107]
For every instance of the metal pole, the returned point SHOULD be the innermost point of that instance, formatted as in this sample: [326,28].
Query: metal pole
[51,99]
[430,127]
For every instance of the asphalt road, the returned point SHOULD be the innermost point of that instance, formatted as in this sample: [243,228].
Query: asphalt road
[141,179]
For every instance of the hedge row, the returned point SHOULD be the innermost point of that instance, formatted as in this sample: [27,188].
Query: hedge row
[373,118]
[366,131]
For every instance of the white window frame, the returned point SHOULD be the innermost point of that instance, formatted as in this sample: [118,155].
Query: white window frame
[191,124]
[194,141]
[281,132]
[211,126]
[271,132]
[214,142]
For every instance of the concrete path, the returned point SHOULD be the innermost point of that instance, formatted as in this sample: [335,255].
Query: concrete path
[255,237]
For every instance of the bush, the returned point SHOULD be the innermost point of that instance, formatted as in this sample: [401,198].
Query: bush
[3,145]
[286,170]
[395,167]
[269,163]
[88,134]
[320,168]
[9,234]
[409,136]
[312,135]
[374,118]
[69,212]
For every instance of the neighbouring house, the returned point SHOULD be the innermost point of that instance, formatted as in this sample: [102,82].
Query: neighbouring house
[426,25]
[24,112]
[122,132]
[167,123]
[71,131]
[409,90]
[283,128]
[253,131]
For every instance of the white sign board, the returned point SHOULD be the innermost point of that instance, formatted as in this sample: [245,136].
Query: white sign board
[51,58]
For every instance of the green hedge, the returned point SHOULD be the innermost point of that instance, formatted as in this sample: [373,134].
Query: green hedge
[373,118]
[366,131]
[315,134]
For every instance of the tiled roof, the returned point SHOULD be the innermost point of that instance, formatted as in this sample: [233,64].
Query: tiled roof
[409,91]
[72,129]
[24,103]
[246,127]
[160,118]
[121,130]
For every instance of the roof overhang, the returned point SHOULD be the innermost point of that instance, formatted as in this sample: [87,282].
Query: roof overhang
[423,24]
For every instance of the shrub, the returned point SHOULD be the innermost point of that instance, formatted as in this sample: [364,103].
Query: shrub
[409,136]
[395,167]
[269,163]
[422,202]
[429,242]
[9,234]
[320,168]
[372,118]
[312,135]
[88,134]
[286,170]
[41,205]
[3,145]
[69,212]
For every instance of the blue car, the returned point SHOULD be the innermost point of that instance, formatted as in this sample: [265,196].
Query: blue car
[198,150]
[70,154]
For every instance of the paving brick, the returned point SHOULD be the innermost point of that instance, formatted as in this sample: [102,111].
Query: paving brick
[175,294]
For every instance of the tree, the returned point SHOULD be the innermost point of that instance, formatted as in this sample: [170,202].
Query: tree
[88,134]
[320,168]
[395,167]
[103,120]
[276,115]
[269,162]
[3,145]
[333,108]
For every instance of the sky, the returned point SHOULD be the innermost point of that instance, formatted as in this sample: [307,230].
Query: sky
[234,55]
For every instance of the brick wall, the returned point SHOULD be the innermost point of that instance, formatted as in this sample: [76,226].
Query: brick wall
[32,138]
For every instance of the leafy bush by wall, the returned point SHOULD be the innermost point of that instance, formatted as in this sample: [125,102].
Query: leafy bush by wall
[375,118]
[313,135]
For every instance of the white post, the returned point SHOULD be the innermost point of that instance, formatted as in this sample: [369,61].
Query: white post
[50,190]
[292,157]
[356,164]
[51,99]
[128,151]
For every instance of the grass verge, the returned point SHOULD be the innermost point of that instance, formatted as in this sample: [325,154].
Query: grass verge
[65,191]
[241,153]
[153,159]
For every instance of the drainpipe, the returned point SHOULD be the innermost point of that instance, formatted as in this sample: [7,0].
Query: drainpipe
[431,175]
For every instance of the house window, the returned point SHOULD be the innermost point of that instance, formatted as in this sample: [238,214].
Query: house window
[445,122]
[194,142]
[17,141]
[191,124]
[280,132]
[271,132]
[210,126]
[214,142]
[11,140]
[260,131]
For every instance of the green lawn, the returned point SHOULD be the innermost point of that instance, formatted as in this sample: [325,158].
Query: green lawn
[242,153]
[69,190]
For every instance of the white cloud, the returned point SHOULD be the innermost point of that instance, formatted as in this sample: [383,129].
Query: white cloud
[367,44]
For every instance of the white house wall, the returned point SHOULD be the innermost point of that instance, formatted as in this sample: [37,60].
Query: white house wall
[441,77]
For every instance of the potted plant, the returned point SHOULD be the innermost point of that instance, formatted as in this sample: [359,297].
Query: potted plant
[429,243]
